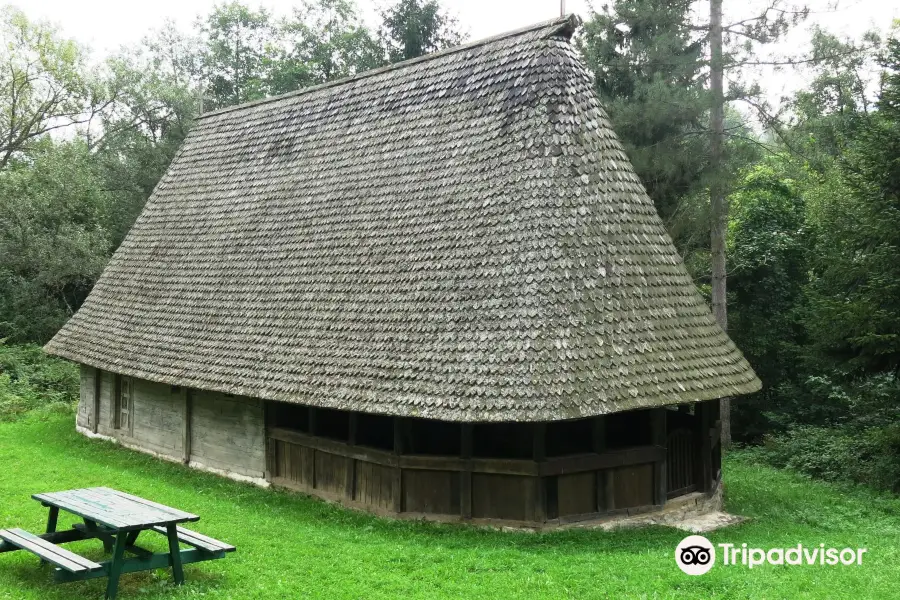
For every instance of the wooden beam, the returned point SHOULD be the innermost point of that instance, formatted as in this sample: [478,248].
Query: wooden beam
[397,487]
[658,436]
[98,390]
[350,482]
[539,454]
[465,476]
[187,417]
[604,476]
[705,449]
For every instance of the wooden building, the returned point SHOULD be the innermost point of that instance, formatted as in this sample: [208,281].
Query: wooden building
[436,288]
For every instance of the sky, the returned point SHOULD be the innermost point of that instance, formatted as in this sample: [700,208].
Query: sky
[107,25]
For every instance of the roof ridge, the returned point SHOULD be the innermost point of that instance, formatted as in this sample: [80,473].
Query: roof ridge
[565,24]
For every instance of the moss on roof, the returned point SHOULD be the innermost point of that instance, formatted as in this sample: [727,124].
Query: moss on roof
[458,237]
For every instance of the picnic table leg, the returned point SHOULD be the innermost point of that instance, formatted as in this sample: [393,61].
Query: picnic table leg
[175,552]
[92,526]
[115,566]
[52,517]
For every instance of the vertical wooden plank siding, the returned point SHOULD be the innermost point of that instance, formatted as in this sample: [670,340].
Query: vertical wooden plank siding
[658,436]
[465,476]
[98,390]
[186,426]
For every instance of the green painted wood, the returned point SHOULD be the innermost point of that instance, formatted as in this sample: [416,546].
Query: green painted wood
[175,552]
[159,560]
[52,517]
[57,537]
[114,509]
[94,530]
[197,540]
[115,566]
[47,551]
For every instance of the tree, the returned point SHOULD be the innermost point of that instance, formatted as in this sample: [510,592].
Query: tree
[45,84]
[239,49]
[324,40]
[53,238]
[412,28]
[768,247]
[649,74]
[855,293]
[157,86]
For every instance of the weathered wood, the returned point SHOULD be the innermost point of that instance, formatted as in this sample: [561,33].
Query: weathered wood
[432,492]
[704,463]
[197,540]
[503,496]
[186,426]
[576,494]
[47,551]
[397,487]
[465,475]
[374,485]
[95,416]
[681,461]
[141,563]
[114,509]
[174,552]
[658,437]
[228,433]
[539,454]
[610,459]
[633,486]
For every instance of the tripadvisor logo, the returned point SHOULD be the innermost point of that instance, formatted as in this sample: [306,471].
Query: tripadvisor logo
[696,555]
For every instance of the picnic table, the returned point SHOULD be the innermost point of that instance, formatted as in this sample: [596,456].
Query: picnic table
[117,519]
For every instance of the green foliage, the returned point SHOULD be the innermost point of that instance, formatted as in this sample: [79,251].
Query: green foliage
[30,379]
[45,84]
[412,28]
[855,291]
[864,447]
[326,40]
[54,238]
[238,53]
[649,72]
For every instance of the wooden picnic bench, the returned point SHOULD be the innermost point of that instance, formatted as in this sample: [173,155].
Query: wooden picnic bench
[117,519]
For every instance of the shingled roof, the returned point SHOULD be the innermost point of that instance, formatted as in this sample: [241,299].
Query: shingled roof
[458,236]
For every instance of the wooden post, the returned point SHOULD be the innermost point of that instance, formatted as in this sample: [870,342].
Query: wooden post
[397,487]
[98,389]
[605,483]
[465,476]
[705,462]
[539,454]
[187,416]
[312,420]
[658,427]
[350,483]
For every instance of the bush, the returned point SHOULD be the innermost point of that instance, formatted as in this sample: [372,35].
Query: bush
[863,446]
[30,379]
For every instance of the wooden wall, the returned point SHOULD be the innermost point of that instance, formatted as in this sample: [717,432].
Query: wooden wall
[228,433]
[223,432]
[86,397]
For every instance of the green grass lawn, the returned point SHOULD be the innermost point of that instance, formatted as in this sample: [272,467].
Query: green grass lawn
[292,547]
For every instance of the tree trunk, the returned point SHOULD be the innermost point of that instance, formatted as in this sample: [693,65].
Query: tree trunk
[717,203]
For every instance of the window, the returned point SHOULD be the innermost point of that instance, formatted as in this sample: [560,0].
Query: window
[123,411]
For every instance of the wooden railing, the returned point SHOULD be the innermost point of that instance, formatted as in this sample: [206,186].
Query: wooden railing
[562,465]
